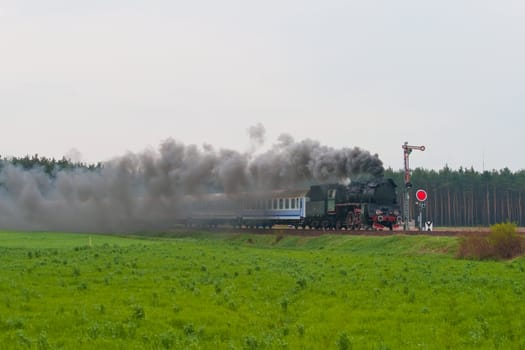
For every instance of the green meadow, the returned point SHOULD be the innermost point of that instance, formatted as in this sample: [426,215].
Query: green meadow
[242,291]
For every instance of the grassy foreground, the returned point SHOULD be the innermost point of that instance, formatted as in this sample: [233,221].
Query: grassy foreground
[220,291]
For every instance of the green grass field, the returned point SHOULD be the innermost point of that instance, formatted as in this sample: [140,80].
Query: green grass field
[231,291]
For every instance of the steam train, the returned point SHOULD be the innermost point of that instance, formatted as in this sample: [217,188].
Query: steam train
[358,205]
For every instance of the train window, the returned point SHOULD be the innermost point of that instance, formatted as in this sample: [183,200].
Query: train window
[287,203]
[275,204]
[331,194]
[269,204]
[293,203]
[280,203]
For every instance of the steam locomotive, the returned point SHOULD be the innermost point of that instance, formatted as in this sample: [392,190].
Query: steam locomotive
[358,205]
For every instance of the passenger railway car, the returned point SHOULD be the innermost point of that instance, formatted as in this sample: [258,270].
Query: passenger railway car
[247,209]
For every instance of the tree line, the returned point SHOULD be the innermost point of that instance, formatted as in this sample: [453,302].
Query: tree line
[48,165]
[466,197]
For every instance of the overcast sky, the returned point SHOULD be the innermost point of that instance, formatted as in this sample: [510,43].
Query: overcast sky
[109,76]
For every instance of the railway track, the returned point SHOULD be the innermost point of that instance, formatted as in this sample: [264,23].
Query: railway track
[319,232]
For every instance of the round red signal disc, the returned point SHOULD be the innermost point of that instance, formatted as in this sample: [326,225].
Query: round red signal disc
[421,195]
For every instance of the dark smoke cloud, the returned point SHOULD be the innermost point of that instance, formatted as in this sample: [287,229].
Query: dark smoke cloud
[289,163]
[257,135]
[144,190]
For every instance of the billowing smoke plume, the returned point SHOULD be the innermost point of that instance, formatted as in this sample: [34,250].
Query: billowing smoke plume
[144,190]
[257,135]
[290,163]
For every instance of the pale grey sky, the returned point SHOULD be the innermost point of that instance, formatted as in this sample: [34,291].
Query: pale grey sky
[110,76]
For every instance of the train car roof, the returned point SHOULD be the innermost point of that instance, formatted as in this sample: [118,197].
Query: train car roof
[290,193]
[256,194]
[276,193]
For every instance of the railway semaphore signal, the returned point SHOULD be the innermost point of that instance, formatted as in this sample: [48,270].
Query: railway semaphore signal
[407,149]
